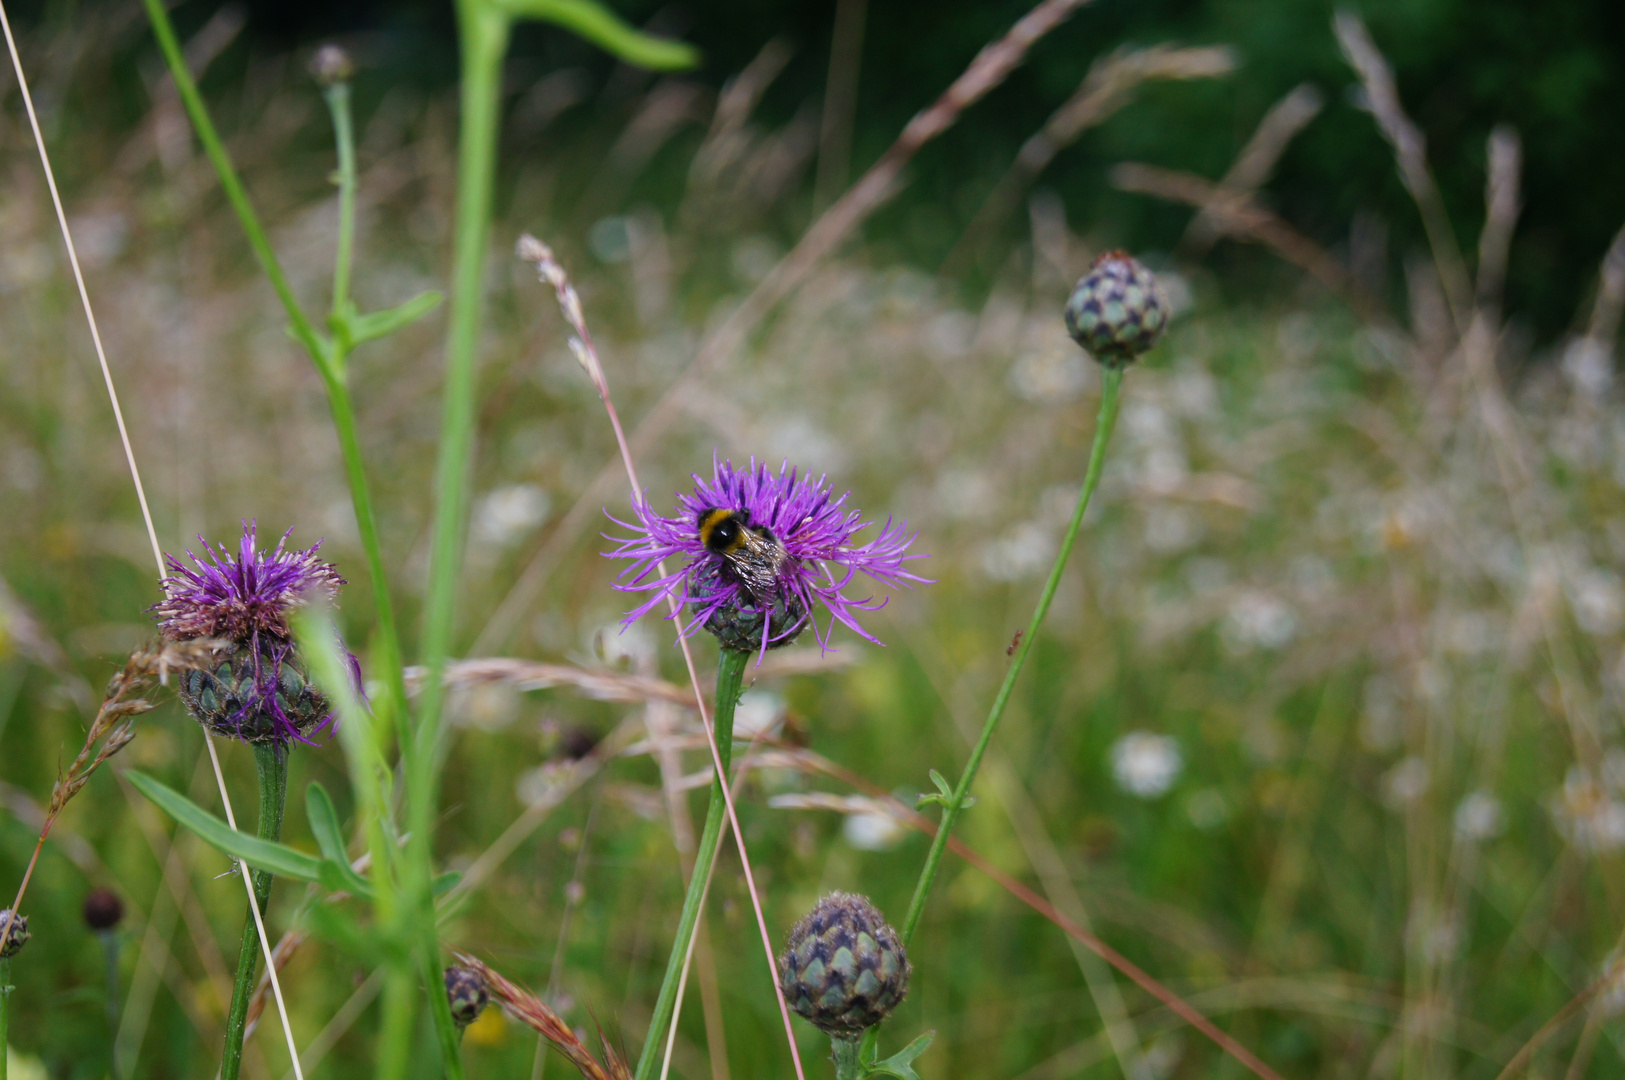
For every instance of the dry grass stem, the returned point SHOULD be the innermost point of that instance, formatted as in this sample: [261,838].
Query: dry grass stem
[114,729]
[1410,151]
[1501,203]
[1246,220]
[1110,85]
[1256,162]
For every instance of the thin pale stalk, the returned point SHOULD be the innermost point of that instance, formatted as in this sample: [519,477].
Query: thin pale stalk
[730,677]
[271,763]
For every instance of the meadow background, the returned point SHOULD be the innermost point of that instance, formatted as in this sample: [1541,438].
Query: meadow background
[1324,730]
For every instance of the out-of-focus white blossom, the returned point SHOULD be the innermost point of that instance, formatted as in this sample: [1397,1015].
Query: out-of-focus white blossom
[1588,814]
[1405,783]
[1257,620]
[1146,765]
[507,514]
[873,831]
[1479,817]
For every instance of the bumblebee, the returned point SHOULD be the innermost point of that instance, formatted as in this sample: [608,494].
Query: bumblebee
[754,556]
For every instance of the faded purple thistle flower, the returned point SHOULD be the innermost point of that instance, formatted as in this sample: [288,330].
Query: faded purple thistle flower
[760,553]
[258,689]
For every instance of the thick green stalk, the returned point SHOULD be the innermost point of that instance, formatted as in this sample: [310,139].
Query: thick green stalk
[5,1010]
[271,762]
[844,1052]
[328,361]
[484,36]
[730,676]
[483,32]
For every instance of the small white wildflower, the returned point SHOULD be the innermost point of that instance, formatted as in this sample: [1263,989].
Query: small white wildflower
[1257,620]
[759,712]
[873,831]
[506,514]
[1023,552]
[616,644]
[1479,817]
[1598,601]
[1405,782]
[1585,813]
[1146,765]
[1170,529]
[1054,374]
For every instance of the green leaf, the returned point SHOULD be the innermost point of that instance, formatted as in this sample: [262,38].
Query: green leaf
[942,785]
[336,873]
[444,883]
[359,329]
[604,28]
[278,859]
[901,1064]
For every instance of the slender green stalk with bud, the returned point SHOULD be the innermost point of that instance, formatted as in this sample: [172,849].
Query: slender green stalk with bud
[1116,312]
[13,936]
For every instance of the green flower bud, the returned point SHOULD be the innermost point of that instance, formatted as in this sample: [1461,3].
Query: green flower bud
[1117,310]
[268,698]
[19,934]
[844,969]
[467,993]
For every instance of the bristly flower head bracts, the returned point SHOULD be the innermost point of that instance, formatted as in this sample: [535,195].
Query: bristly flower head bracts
[761,551]
[258,689]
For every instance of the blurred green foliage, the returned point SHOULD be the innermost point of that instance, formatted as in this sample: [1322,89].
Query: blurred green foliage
[1556,72]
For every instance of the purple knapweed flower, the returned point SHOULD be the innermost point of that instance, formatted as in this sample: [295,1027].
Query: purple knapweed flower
[760,552]
[258,689]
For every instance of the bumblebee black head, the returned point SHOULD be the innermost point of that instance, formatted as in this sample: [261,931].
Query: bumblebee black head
[723,530]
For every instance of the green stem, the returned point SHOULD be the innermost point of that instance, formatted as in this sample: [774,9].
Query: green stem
[110,952]
[338,107]
[844,1052]
[164,30]
[400,1019]
[329,360]
[271,761]
[483,33]
[730,676]
[1110,398]
[5,1010]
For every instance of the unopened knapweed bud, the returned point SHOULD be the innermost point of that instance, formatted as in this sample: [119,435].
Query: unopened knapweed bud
[843,968]
[103,909]
[467,993]
[330,65]
[18,936]
[1117,310]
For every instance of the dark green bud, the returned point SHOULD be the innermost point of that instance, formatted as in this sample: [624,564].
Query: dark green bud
[467,994]
[18,938]
[1117,310]
[259,696]
[843,968]
[740,628]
